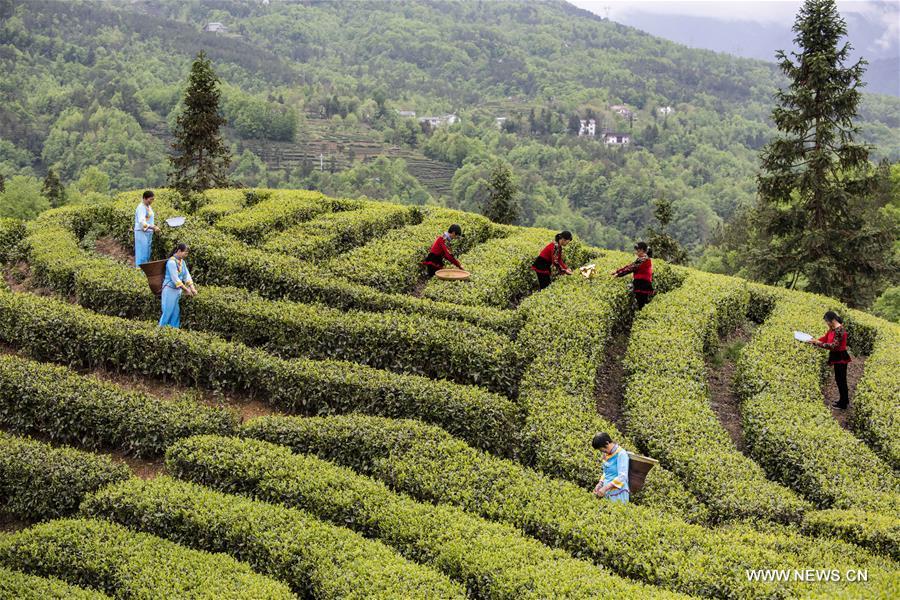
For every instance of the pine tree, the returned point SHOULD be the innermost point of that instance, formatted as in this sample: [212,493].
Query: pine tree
[662,244]
[501,206]
[53,189]
[2,183]
[814,220]
[574,124]
[200,158]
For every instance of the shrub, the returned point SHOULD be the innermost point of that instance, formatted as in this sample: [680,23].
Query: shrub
[392,263]
[52,330]
[880,533]
[281,210]
[334,233]
[220,260]
[635,542]
[125,564]
[73,409]
[876,402]
[667,401]
[11,233]
[789,431]
[314,558]
[399,342]
[20,586]
[493,560]
[568,328]
[38,481]
[501,269]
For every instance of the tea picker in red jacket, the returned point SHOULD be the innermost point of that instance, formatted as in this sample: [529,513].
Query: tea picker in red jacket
[551,259]
[835,341]
[642,268]
[440,251]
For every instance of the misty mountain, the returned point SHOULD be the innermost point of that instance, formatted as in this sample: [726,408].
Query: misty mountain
[751,39]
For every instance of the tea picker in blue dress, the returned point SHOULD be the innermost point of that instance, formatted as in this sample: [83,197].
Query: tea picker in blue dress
[177,280]
[613,483]
[144,227]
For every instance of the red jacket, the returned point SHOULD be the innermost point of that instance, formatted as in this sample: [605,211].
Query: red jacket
[439,253]
[551,256]
[641,267]
[835,341]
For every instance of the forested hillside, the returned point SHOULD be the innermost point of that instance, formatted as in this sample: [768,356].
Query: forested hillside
[313,92]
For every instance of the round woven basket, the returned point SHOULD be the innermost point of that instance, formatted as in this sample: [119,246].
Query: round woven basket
[452,274]
[156,273]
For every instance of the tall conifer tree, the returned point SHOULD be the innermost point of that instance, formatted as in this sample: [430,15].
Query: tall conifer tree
[501,206]
[200,158]
[815,221]
[53,189]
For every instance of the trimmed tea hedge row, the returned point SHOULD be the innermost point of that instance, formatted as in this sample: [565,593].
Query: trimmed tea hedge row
[334,233]
[218,204]
[219,259]
[48,329]
[280,209]
[667,401]
[880,533]
[315,559]
[124,564]
[501,269]
[876,402]
[636,542]
[12,231]
[405,343]
[492,560]
[568,327]
[74,409]
[19,586]
[111,288]
[391,263]
[38,481]
[788,429]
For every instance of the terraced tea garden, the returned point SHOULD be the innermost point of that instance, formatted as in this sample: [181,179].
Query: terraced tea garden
[327,424]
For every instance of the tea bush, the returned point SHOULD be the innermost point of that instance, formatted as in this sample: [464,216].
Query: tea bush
[312,557]
[125,564]
[640,543]
[73,409]
[667,401]
[48,329]
[493,560]
[789,431]
[334,233]
[38,481]
[501,269]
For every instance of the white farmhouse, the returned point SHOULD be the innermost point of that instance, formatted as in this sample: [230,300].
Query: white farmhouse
[588,128]
[215,27]
[439,121]
[616,139]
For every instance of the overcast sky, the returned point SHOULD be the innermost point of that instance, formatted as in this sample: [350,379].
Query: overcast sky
[760,11]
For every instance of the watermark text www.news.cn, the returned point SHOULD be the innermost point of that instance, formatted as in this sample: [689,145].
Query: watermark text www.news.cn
[807,575]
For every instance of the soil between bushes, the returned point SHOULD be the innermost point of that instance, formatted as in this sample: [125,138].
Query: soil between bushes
[720,372]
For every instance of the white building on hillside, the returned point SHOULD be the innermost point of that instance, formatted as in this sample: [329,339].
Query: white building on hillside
[215,27]
[621,110]
[440,121]
[588,128]
[611,138]
[407,113]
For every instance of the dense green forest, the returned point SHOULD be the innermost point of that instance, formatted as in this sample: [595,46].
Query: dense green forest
[312,92]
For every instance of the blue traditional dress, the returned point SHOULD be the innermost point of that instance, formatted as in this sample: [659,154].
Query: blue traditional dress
[177,277]
[615,470]
[143,233]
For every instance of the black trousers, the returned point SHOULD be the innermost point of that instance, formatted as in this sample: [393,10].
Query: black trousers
[642,299]
[543,280]
[840,378]
[431,270]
